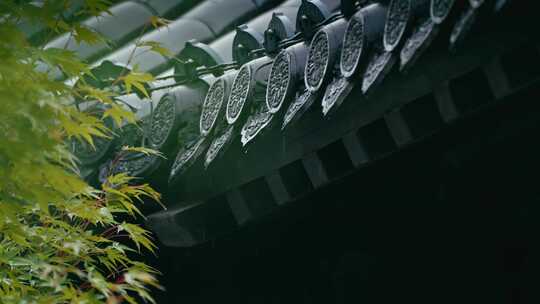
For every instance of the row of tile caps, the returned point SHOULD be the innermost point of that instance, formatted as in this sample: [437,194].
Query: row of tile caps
[317,54]
[200,22]
[264,88]
[175,119]
[236,95]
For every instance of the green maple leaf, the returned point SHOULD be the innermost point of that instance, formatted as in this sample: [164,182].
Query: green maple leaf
[66,60]
[137,80]
[156,47]
[158,21]
[97,7]
[139,235]
[118,114]
[85,34]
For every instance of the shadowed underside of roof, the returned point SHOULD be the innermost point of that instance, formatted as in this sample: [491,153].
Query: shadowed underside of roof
[304,94]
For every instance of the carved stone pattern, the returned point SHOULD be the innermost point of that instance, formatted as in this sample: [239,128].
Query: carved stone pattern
[278,81]
[376,68]
[162,122]
[212,105]
[300,100]
[353,42]
[462,26]
[416,42]
[333,93]
[184,156]
[135,166]
[217,145]
[317,61]
[255,124]
[396,22]
[239,92]
[440,9]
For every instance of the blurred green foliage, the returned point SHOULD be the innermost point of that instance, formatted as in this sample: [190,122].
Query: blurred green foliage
[58,235]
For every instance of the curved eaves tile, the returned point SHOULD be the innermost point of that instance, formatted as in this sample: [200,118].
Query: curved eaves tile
[211,13]
[125,21]
[169,8]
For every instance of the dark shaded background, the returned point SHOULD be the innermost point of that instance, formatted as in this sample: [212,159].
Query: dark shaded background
[451,219]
